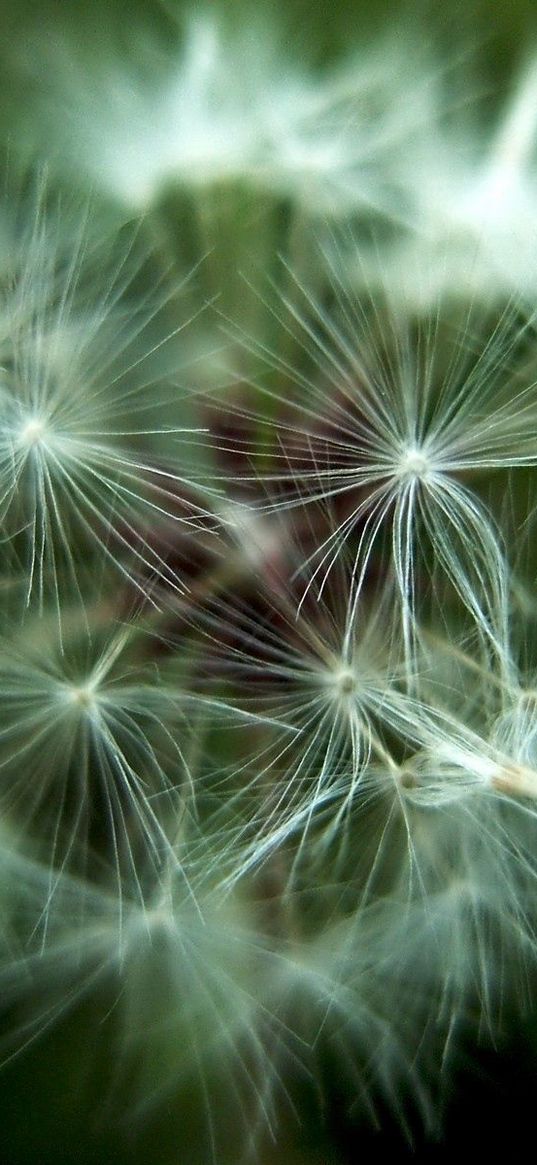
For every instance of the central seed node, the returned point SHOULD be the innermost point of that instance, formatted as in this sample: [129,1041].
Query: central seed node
[33,431]
[83,696]
[345,682]
[414,463]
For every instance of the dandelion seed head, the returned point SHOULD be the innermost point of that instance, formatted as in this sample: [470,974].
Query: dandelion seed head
[411,802]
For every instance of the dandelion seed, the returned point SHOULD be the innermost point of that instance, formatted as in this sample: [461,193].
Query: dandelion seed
[390,424]
[219,105]
[191,980]
[360,1011]
[475,234]
[87,455]
[91,747]
[325,692]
